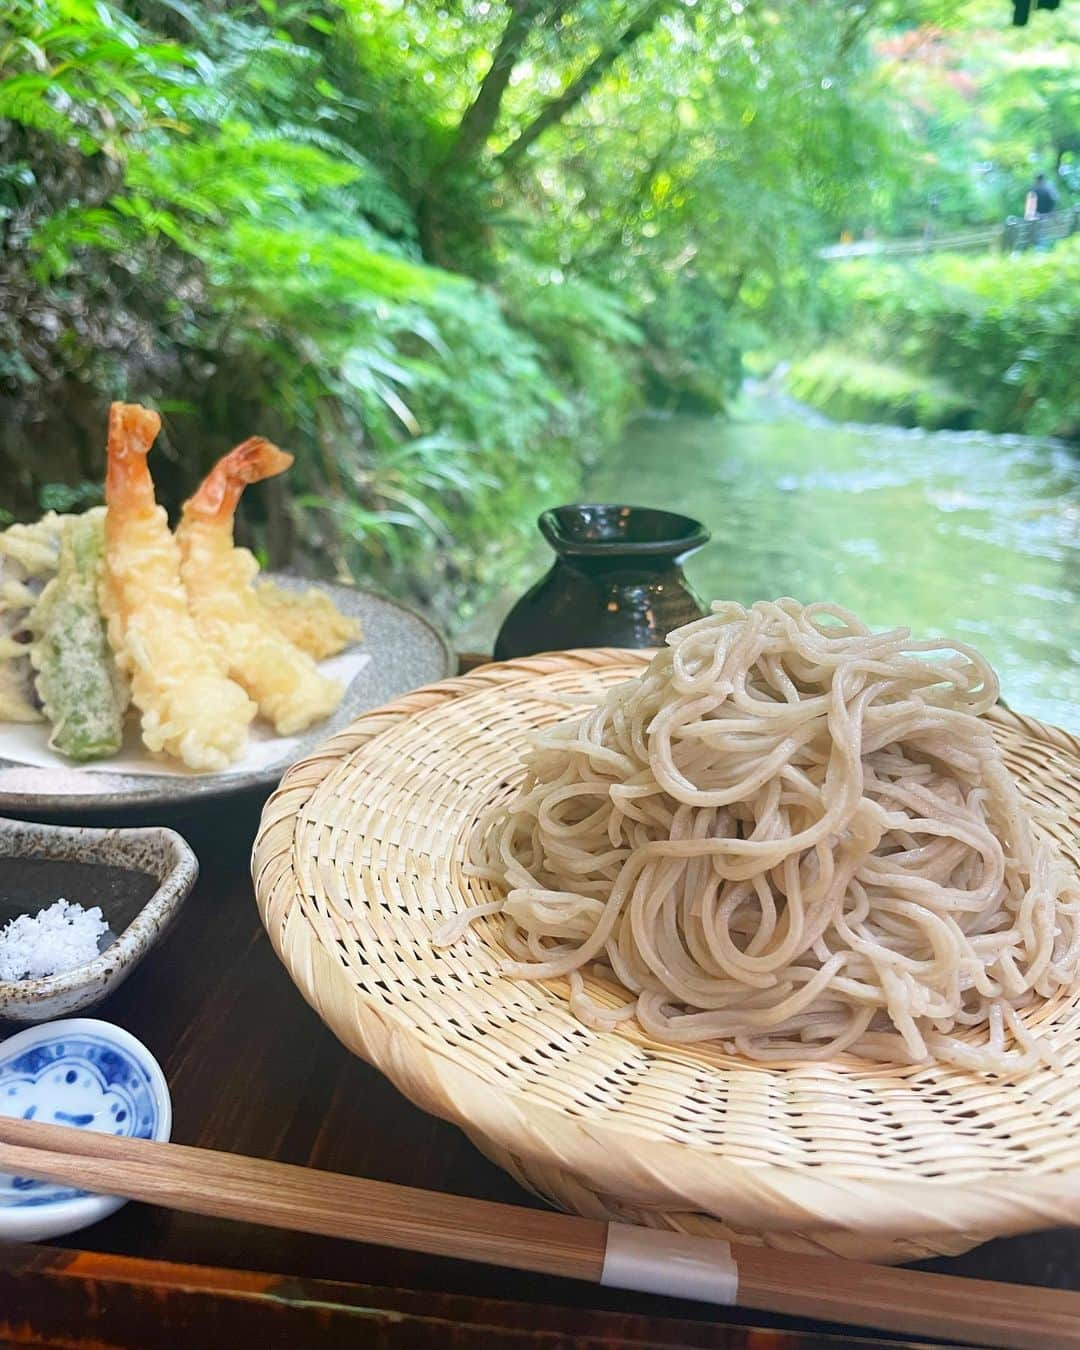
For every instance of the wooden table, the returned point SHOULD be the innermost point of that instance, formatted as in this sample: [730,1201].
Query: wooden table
[253,1070]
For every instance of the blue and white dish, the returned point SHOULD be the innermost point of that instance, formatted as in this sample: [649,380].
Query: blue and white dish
[81,1073]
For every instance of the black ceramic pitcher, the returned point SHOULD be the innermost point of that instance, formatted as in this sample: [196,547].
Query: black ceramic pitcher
[617,581]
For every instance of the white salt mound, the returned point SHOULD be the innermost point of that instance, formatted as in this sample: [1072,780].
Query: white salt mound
[60,937]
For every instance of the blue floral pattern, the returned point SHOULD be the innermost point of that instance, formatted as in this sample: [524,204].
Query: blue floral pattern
[79,1080]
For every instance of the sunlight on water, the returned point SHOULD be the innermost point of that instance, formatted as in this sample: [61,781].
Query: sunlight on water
[946,532]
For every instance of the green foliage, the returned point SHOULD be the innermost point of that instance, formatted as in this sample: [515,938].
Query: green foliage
[694,346]
[976,107]
[706,171]
[440,251]
[170,236]
[855,389]
[585,330]
[1003,332]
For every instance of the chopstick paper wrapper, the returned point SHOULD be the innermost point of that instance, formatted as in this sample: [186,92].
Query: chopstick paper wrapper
[654,1262]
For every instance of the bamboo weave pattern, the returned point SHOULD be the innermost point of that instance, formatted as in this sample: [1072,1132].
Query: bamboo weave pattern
[358,861]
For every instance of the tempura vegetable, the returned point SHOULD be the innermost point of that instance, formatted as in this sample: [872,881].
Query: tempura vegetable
[36,546]
[81,691]
[189,707]
[310,619]
[282,679]
[28,558]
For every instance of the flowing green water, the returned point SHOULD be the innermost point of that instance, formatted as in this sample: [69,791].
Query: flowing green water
[967,534]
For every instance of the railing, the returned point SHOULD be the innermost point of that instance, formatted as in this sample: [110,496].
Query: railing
[1014,236]
[1019,234]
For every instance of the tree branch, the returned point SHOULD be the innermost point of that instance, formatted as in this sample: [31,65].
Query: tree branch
[475,126]
[553,112]
[480,117]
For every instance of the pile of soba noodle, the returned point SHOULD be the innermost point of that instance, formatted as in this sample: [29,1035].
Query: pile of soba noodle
[793,837]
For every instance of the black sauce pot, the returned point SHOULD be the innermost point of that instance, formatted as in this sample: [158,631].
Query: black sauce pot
[617,581]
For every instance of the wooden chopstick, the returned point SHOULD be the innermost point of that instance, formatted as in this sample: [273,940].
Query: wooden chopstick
[280,1195]
[254,1190]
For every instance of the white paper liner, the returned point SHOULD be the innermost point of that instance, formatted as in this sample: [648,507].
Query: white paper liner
[28,743]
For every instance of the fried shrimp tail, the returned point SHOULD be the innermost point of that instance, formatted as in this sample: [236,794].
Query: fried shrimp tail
[219,493]
[309,620]
[188,706]
[282,679]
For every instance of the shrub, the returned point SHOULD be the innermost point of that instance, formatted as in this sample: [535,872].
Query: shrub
[856,389]
[1002,332]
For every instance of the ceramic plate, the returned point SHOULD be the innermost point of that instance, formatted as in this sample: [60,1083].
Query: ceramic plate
[89,1075]
[137,878]
[406,651]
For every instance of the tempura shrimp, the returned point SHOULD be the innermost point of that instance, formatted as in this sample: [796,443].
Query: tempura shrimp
[282,679]
[189,707]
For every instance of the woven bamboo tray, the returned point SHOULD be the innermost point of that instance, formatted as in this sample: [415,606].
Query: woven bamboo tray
[358,861]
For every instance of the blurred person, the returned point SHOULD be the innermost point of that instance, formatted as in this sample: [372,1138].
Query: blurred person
[1040,202]
[1046,198]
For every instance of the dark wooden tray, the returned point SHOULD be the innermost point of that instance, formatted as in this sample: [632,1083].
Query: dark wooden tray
[253,1070]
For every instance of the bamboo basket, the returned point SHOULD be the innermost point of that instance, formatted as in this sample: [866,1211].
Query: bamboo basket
[359,860]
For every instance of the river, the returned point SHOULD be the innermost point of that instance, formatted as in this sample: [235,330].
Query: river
[959,533]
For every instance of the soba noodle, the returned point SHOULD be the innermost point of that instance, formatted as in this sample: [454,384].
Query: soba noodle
[793,837]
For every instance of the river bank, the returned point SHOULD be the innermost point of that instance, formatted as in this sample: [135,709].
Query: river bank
[988,340]
[960,533]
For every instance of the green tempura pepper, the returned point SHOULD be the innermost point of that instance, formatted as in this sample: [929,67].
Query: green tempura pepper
[81,691]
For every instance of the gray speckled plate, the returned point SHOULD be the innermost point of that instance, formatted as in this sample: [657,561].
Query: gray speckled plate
[406,651]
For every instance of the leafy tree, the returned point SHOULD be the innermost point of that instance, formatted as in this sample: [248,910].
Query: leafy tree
[440,251]
[980,106]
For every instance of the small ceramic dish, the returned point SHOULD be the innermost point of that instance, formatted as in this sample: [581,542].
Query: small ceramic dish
[83,1073]
[139,878]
